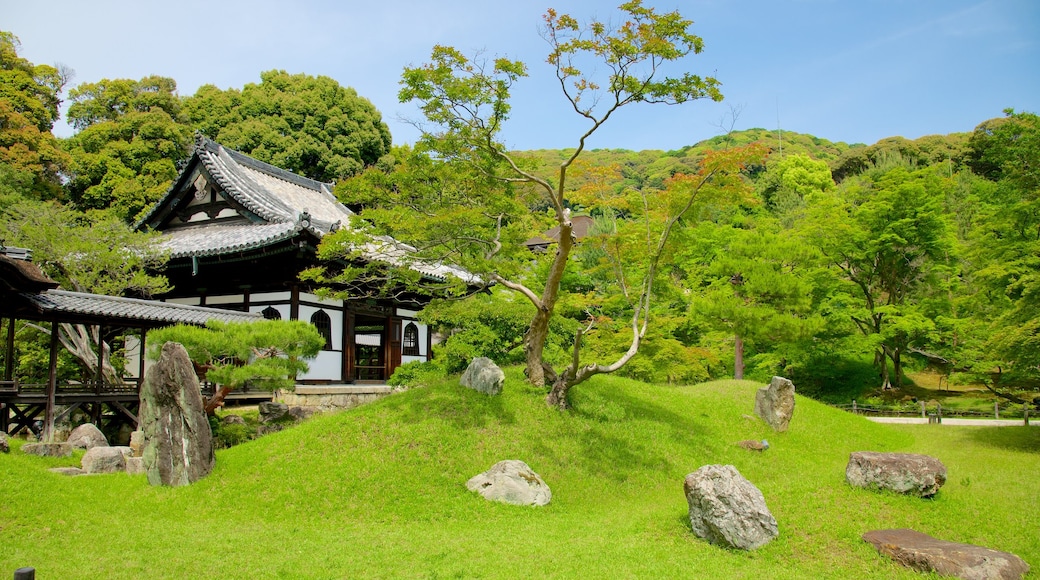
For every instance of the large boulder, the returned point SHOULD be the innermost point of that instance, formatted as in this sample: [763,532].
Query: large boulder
[87,436]
[105,459]
[48,449]
[774,403]
[905,473]
[727,509]
[511,481]
[926,554]
[5,445]
[483,375]
[178,443]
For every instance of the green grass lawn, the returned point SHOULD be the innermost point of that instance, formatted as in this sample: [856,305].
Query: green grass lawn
[379,492]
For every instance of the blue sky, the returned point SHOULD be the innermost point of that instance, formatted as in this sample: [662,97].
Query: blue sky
[844,70]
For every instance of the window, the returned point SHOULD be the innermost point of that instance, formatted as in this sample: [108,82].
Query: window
[323,323]
[410,342]
[270,313]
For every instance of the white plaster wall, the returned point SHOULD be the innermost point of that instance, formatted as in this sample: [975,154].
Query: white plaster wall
[271,297]
[325,367]
[226,299]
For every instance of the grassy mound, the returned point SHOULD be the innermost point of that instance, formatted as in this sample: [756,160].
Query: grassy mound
[379,492]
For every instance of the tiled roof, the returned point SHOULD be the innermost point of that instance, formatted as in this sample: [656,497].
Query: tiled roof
[273,194]
[214,239]
[130,310]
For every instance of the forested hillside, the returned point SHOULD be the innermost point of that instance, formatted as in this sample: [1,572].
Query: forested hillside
[836,265]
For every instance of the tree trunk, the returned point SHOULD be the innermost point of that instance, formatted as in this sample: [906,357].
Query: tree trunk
[217,400]
[738,357]
[80,341]
[557,396]
[534,346]
[882,360]
[897,367]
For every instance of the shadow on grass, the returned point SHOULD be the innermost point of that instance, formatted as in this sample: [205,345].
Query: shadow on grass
[1015,438]
[463,408]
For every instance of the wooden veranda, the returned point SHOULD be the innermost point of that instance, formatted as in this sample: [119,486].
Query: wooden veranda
[27,295]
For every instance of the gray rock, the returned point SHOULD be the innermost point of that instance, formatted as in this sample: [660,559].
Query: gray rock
[5,445]
[511,481]
[178,444]
[69,471]
[905,473]
[926,554]
[300,414]
[774,403]
[233,420]
[271,411]
[105,459]
[48,449]
[87,436]
[137,442]
[727,509]
[483,375]
[135,465]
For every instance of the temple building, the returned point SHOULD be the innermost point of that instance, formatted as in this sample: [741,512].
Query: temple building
[239,232]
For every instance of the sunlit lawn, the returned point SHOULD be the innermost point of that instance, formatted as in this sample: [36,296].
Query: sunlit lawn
[379,492]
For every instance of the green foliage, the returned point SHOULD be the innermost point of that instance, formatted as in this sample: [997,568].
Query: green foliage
[311,126]
[131,137]
[85,253]
[887,235]
[29,99]
[266,354]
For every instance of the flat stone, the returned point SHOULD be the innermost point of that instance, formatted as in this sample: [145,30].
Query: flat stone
[924,553]
[48,449]
[905,473]
[69,471]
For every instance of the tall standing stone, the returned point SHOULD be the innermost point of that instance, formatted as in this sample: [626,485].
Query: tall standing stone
[774,403]
[178,443]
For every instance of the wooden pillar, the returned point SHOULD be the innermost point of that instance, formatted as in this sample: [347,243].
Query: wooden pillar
[348,347]
[140,362]
[9,359]
[52,385]
[294,302]
[99,375]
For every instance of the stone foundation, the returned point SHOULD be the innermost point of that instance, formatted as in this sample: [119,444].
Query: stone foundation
[325,398]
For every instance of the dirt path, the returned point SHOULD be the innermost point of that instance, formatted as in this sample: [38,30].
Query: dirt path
[958,422]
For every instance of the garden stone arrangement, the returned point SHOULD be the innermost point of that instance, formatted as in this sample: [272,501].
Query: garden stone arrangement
[904,473]
[511,481]
[727,509]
